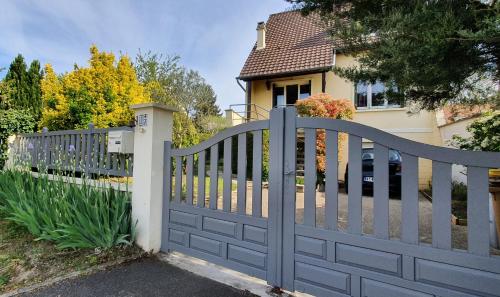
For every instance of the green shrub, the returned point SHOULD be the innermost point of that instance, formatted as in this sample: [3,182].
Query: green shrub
[458,191]
[71,215]
[485,134]
[11,122]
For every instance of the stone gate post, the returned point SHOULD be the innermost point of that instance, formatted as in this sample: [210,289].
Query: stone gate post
[154,124]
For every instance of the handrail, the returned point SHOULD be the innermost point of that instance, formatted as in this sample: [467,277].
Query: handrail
[257,110]
[229,132]
[418,149]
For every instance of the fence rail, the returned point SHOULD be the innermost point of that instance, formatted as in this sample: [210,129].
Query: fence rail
[82,151]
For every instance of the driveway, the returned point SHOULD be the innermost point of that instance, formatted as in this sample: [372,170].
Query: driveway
[458,233]
[146,277]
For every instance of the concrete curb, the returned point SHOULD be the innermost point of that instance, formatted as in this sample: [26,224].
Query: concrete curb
[68,276]
[223,275]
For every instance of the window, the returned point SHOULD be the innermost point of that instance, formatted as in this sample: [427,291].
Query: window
[278,96]
[374,96]
[305,91]
[292,94]
[289,94]
[361,95]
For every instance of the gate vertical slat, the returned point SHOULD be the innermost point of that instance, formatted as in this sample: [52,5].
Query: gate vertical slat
[441,205]
[242,173]
[102,150]
[354,184]
[51,151]
[83,152]
[189,179]
[201,179]
[167,193]
[331,180]
[56,151]
[257,174]
[109,164]
[310,177]
[73,153]
[288,199]
[60,149]
[88,161]
[275,203]
[178,179]
[381,191]
[409,199]
[78,141]
[214,158]
[66,151]
[34,151]
[478,210]
[95,154]
[46,153]
[227,186]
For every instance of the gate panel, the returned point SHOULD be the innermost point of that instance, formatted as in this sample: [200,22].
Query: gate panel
[200,223]
[328,261]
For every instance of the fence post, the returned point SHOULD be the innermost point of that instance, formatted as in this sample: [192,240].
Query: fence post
[46,154]
[154,124]
[88,150]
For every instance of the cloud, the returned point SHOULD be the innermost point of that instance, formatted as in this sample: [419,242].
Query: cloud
[213,37]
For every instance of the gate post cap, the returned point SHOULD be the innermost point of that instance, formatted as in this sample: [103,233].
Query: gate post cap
[155,105]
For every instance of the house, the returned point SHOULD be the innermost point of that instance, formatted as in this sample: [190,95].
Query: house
[293,59]
[454,120]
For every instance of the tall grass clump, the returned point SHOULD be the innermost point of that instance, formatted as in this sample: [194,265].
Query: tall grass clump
[71,215]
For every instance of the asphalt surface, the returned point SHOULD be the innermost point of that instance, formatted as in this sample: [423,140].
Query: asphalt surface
[146,277]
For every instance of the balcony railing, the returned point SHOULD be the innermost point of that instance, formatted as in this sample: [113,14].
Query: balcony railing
[244,113]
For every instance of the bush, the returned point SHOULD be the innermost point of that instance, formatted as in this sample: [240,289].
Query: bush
[71,215]
[12,121]
[324,106]
[485,134]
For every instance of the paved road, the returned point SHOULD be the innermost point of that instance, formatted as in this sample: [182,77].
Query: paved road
[147,277]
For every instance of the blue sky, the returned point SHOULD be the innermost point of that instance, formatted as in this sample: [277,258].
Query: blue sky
[213,37]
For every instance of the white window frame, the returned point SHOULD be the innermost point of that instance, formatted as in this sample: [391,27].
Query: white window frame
[300,83]
[369,100]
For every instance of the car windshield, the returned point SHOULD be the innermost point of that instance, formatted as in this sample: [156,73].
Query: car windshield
[394,156]
[368,154]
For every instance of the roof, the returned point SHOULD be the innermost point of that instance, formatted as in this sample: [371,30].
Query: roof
[294,44]
[456,112]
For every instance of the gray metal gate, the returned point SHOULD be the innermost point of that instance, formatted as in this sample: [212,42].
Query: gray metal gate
[326,260]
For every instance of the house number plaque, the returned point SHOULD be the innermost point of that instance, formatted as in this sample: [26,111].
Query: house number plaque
[142,120]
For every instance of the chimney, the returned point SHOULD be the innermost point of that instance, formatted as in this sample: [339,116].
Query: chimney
[261,35]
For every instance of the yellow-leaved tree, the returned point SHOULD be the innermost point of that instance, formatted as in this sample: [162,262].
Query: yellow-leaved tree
[100,93]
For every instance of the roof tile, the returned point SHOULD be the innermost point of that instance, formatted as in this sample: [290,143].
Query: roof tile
[294,43]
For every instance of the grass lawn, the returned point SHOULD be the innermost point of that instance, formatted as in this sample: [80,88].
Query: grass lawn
[24,261]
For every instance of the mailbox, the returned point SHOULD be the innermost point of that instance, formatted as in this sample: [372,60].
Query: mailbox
[121,142]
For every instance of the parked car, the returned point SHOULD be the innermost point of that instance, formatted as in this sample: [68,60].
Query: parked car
[367,175]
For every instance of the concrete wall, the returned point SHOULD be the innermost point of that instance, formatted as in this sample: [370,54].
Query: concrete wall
[447,131]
